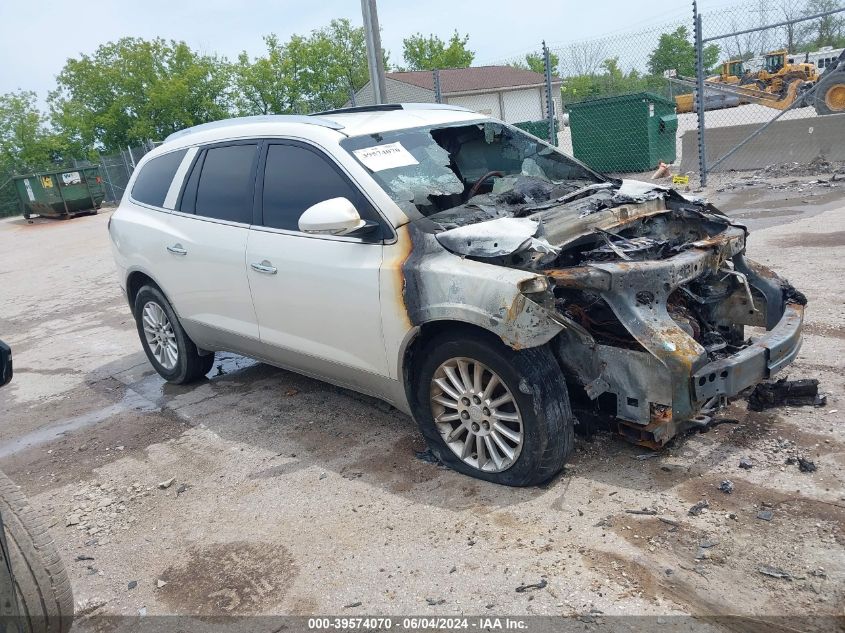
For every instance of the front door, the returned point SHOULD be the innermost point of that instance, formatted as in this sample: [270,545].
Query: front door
[316,297]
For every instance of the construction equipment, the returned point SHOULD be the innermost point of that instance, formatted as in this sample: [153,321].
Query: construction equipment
[830,88]
[779,69]
[779,84]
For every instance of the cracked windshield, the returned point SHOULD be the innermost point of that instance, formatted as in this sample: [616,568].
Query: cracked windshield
[466,167]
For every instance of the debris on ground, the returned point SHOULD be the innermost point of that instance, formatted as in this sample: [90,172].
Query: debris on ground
[433,602]
[166,483]
[644,511]
[646,456]
[427,456]
[806,466]
[746,463]
[727,486]
[794,393]
[182,488]
[533,587]
[662,171]
[132,584]
[774,572]
[699,507]
[160,583]
[766,515]
[352,605]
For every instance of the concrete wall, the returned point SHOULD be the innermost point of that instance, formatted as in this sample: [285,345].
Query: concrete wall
[797,140]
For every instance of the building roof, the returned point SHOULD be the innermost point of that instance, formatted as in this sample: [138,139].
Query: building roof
[472,79]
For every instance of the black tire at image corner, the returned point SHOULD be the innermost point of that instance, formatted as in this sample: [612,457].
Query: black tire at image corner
[190,364]
[533,377]
[45,598]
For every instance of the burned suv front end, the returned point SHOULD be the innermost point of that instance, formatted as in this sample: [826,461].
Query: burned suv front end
[668,315]
[646,296]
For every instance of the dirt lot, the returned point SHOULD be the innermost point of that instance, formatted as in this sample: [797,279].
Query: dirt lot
[293,497]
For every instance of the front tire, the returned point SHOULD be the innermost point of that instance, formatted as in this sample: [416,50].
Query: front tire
[830,94]
[169,349]
[491,412]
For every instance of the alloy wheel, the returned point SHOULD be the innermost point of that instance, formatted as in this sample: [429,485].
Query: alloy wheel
[476,414]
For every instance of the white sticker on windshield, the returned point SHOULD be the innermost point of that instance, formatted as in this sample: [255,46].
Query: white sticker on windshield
[386,156]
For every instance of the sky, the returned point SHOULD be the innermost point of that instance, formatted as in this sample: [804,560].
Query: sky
[37,36]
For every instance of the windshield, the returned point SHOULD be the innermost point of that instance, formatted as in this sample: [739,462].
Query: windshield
[433,169]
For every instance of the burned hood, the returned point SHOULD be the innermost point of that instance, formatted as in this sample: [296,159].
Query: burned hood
[524,224]
[496,238]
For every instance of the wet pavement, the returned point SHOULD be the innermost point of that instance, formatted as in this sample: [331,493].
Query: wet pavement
[292,496]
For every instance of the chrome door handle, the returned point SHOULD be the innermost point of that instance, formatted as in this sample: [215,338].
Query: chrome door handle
[177,249]
[264,267]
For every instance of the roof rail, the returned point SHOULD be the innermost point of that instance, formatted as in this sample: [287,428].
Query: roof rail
[387,107]
[261,118]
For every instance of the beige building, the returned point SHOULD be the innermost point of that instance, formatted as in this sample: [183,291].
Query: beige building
[511,94]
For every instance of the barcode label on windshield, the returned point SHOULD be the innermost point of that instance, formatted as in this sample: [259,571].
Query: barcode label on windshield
[385,156]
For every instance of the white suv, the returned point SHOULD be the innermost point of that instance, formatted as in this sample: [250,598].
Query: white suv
[454,266]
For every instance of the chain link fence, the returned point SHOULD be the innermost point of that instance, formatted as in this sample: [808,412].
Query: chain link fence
[709,98]
[115,170]
[771,88]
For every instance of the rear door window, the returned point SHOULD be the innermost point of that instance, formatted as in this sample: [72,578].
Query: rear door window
[297,177]
[226,183]
[154,179]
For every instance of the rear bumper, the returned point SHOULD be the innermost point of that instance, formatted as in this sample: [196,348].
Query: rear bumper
[767,355]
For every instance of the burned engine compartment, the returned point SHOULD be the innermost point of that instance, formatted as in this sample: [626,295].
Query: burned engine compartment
[653,287]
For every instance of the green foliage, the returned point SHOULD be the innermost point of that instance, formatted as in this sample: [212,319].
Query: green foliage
[611,81]
[826,31]
[534,61]
[428,53]
[305,74]
[26,142]
[134,89]
[675,51]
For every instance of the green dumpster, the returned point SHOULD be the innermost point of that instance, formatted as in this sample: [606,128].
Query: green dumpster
[61,193]
[632,132]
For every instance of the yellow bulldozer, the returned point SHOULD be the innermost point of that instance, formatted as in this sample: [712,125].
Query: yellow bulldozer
[777,85]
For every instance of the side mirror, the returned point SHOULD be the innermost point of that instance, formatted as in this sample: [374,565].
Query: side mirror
[336,216]
[5,363]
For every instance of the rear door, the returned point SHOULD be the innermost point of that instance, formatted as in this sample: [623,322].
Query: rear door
[206,275]
[316,296]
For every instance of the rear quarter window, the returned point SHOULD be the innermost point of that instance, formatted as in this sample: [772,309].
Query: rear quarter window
[154,179]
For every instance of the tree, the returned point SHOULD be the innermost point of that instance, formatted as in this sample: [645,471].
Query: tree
[676,51]
[826,31]
[428,53]
[26,142]
[310,73]
[135,89]
[535,62]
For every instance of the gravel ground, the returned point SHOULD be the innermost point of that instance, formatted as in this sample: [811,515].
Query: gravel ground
[259,491]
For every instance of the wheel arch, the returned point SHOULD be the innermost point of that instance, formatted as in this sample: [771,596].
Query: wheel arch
[136,280]
[422,335]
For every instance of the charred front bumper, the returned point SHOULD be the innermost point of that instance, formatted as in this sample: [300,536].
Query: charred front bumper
[663,381]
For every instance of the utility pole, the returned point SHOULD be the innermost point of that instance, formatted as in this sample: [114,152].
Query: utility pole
[375,58]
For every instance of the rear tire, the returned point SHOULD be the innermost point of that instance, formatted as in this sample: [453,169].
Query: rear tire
[538,399]
[830,94]
[169,349]
[44,594]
